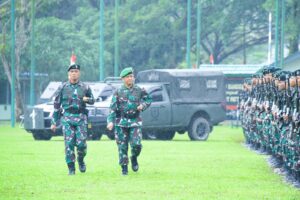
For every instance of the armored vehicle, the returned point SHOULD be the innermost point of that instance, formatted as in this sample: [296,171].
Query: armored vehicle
[37,119]
[183,100]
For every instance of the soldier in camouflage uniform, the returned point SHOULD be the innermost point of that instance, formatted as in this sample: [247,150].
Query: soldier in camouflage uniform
[127,104]
[70,105]
[296,126]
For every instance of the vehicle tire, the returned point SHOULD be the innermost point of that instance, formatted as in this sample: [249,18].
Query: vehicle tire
[111,135]
[41,135]
[47,135]
[211,129]
[36,135]
[149,135]
[97,136]
[181,132]
[199,129]
[166,135]
[94,135]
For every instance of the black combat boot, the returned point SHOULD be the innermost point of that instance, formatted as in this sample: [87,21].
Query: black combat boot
[82,166]
[134,163]
[71,167]
[124,170]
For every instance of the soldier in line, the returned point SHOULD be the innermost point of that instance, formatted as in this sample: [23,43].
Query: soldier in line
[126,105]
[269,110]
[70,105]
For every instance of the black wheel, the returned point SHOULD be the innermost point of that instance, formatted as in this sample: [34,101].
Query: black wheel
[211,129]
[47,135]
[94,135]
[199,129]
[41,135]
[36,135]
[97,136]
[166,135]
[149,135]
[181,132]
[111,135]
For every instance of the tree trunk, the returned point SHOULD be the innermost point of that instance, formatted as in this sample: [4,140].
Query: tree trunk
[293,45]
[22,29]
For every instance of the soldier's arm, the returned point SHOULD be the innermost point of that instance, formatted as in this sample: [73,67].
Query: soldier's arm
[57,106]
[90,97]
[112,109]
[146,99]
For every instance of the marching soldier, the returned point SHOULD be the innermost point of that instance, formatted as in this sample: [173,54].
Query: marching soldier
[71,98]
[126,105]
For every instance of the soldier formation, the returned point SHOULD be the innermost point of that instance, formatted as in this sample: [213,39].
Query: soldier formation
[269,113]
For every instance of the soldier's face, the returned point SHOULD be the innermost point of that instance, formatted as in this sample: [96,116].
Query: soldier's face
[298,80]
[128,80]
[281,85]
[74,74]
[292,81]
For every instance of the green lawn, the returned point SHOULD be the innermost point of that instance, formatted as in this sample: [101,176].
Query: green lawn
[220,168]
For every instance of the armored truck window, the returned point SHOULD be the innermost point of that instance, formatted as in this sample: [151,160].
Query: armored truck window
[211,84]
[157,95]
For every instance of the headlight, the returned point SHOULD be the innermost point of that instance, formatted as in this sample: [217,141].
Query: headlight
[102,111]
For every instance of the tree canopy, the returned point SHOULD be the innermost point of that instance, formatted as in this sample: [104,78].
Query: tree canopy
[152,33]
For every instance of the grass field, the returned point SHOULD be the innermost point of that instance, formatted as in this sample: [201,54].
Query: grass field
[220,168]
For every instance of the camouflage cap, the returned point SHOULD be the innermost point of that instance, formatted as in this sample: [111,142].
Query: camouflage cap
[74,66]
[126,72]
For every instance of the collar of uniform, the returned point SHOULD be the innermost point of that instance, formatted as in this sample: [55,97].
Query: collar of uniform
[124,87]
[78,83]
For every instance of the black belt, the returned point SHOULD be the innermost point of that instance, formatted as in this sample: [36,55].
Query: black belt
[130,116]
[73,111]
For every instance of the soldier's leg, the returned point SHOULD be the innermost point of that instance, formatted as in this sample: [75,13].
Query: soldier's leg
[69,138]
[81,136]
[121,136]
[135,139]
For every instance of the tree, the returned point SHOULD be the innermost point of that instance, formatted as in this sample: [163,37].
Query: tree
[22,26]
[231,26]
[22,31]
[292,23]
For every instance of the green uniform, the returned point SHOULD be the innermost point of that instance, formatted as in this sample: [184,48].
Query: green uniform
[69,100]
[126,118]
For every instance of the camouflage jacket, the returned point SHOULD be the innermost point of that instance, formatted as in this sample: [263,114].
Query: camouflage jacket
[68,100]
[123,107]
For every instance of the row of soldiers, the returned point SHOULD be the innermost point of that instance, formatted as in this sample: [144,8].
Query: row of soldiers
[269,113]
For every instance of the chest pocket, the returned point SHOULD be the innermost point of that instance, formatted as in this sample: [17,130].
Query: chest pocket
[73,95]
[67,94]
[80,92]
[130,97]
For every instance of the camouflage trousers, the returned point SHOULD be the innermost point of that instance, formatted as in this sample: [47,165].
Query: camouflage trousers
[75,134]
[125,136]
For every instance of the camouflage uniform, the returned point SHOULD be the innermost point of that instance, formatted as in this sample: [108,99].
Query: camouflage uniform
[127,120]
[69,100]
